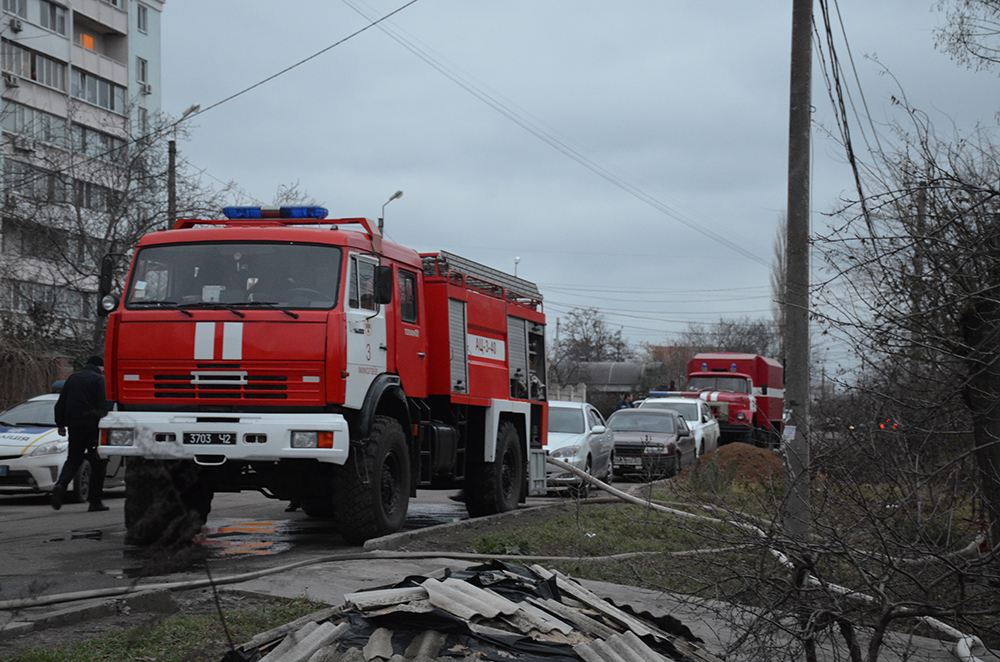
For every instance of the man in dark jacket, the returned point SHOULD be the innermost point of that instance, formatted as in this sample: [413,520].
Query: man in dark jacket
[82,403]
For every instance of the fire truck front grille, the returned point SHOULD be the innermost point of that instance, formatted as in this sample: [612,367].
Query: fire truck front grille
[208,386]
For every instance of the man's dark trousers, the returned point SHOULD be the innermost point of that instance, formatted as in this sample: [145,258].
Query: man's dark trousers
[83,438]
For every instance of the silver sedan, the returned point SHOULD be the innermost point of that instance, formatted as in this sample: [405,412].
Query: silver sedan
[579,436]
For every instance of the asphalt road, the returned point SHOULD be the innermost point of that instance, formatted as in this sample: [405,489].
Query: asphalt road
[45,552]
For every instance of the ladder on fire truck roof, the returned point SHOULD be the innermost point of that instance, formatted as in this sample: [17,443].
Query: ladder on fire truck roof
[443,262]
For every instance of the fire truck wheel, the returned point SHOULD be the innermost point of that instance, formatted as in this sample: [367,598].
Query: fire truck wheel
[144,480]
[166,503]
[320,508]
[372,497]
[495,487]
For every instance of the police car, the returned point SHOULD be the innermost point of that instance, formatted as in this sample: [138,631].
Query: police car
[32,452]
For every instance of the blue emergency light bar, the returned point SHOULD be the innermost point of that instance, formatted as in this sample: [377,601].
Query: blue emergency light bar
[315,213]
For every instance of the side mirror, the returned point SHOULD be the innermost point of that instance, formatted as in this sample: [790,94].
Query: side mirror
[598,429]
[106,302]
[106,280]
[383,284]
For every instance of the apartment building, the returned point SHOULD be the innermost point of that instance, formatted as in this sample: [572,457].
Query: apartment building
[80,87]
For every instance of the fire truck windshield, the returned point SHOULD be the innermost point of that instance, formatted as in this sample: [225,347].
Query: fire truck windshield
[236,274]
[732,384]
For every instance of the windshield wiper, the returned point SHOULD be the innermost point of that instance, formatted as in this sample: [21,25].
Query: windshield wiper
[214,306]
[271,304]
[166,304]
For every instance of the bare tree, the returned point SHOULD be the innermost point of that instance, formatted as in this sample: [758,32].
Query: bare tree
[915,289]
[972,33]
[744,335]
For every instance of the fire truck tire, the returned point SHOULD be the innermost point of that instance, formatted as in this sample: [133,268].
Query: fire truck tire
[166,502]
[320,508]
[495,487]
[372,499]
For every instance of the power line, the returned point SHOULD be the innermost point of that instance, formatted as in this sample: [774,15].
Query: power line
[522,118]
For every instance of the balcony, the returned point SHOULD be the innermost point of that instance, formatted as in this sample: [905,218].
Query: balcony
[111,19]
[100,65]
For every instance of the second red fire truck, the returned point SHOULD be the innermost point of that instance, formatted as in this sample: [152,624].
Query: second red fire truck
[745,391]
[305,357]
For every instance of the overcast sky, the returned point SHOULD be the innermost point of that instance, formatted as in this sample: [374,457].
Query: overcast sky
[632,154]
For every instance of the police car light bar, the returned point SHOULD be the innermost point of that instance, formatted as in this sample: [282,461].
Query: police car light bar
[314,213]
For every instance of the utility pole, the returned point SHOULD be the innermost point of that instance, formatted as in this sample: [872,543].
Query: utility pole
[798,513]
[172,182]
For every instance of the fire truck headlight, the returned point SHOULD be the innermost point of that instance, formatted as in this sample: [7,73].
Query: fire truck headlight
[741,416]
[305,439]
[120,437]
[312,439]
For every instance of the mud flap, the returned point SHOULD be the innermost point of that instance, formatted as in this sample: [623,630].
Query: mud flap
[536,473]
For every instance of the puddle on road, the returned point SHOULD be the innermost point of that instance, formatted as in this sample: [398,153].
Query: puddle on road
[247,538]
[78,535]
[89,535]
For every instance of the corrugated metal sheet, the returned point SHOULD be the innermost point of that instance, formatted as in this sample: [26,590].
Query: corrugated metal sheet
[465,600]
[619,648]
[456,617]
[383,598]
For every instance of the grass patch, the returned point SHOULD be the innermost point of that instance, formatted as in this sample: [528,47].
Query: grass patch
[180,638]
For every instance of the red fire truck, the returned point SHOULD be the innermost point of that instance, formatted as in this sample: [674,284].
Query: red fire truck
[281,351]
[746,392]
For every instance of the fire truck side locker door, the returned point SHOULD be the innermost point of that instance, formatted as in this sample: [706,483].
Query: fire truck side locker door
[367,351]
[457,334]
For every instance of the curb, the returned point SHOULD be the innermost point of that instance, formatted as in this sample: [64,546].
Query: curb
[42,618]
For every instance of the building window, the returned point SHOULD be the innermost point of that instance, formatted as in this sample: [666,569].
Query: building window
[53,17]
[141,69]
[34,183]
[24,297]
[92,196]
[42,69]
[19,7]
[96,144]
[142,18]
[143,118]
[116,3]
[31,123]
[408,296]
[98,92]
[87,41]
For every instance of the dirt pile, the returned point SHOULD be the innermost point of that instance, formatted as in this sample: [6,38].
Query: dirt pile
[751,463]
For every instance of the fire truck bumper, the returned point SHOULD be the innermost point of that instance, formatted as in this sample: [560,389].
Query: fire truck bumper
[216,438]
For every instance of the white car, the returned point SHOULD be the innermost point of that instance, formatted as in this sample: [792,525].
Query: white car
[697,414]
[578,435]
[32,452]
